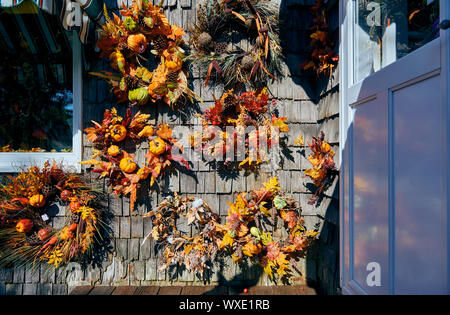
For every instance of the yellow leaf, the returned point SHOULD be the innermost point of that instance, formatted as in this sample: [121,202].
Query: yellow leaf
[227,240]
[300,141]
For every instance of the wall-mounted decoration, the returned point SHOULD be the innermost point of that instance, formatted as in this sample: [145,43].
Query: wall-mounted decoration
[250,222]
[250,116]
[246,235]
[322,58]
[196,252]
[29,200]
[114,136]
[141,40]
[322,162]
[237,41]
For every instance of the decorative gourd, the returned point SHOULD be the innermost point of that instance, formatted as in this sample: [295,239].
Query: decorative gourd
[127,165]
[113,150]
[137,43]
[24,226]
[130,24]
[143,173]
[37,201]
[157,146]
[118,133]
[139,96]
[43,234]
[146,132]
[73,206]
[73,227]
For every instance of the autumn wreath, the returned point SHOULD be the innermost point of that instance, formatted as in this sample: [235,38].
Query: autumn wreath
[249,224]
[195,252]
[247,233]
[26,237]
[248,112]
[213,38]
[111,159]
[128,42]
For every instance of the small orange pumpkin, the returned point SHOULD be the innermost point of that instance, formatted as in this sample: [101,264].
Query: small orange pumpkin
[127,165]
[113,150]
[43,234]
[24,226]
[137,43]
[157,146]
[73,206]
[118,132]
[37,201]
[143,173]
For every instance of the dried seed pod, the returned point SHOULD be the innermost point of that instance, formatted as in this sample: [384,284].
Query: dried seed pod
[247,62]
[204,40]
[220,48]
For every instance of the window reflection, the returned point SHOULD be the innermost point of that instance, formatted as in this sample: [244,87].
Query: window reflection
[36,101]
[387,30]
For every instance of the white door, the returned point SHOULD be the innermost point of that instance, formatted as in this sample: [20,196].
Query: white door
[394,146]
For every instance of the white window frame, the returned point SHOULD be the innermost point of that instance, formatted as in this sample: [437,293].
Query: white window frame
[13,162]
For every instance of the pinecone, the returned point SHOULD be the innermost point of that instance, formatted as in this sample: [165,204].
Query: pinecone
[230,103]
[132,82]
[160,42]
[74,218]
[172,76]
[124,49]
[204,40]
[48,190]
[221,48]
[247,62]
[32,239]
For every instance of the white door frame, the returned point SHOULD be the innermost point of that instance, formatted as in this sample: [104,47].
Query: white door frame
[350,94]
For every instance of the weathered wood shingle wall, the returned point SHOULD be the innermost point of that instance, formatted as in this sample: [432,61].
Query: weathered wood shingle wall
[311,105]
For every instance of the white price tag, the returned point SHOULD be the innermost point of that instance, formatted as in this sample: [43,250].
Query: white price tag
[44,217]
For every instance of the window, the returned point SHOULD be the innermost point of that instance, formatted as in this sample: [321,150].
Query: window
[387,30]
[40,89]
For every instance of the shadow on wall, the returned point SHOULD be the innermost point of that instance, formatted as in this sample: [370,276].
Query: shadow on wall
[322,259]
[295,21]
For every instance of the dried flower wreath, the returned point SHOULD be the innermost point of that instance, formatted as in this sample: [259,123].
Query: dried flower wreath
[250,222]
[110,139]
[26,237]
[195,252]
[213,37]
[127,43]
[322,161]
[245,235]
[322,59]
[251,109]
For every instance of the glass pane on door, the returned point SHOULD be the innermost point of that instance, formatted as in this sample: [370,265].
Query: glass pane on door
[419,189]
[370,195]
[387,30]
